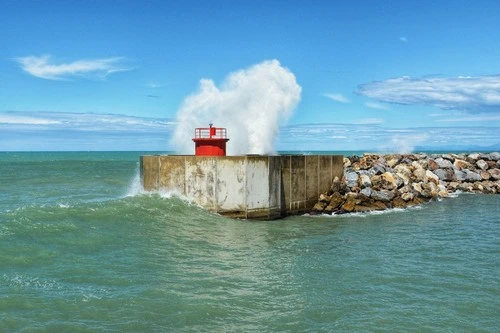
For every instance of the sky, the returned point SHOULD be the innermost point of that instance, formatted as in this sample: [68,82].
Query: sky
[354,75]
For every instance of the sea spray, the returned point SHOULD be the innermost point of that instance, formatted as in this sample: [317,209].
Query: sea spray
[135,188]
[250,103]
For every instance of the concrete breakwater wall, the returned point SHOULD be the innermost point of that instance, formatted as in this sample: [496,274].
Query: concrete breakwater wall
[250,187]
[377,182]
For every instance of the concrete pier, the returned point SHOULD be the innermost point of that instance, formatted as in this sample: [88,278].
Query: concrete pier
[249,187]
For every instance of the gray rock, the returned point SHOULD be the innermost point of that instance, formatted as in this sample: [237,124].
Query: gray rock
[364,181]
[495,174]
[460,175]
[494,156]
[382,195]
[351,178]
[485,175]
[481,164]
[366,191]
[448,157]
[471,176]
[443,163]
[377,168]
[431,177]
[444,174]
[419,174]
[474,156]
[407,196]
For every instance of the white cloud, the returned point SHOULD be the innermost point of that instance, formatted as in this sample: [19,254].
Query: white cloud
[42,130]
[377,106]
[481,117]
[43,120]
[404,144]
[43,67]
[472,94]
[337,98]
[25,120]
[369,121]
[403,39]
[338,137]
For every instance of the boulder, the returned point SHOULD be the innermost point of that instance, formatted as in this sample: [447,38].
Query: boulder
[433,165]
[482,164]
[351,178]
[384,181]
[337,200]
[443,163]
[494,173]
[464,187]
[430,190]
[363,200]
[462,165]
[478,187]
[364,181]
[442,191]
[485,175]
[366,191]
[471,176]
[349,204]
[417,187]
[399,202]
[448,157]
[407,196]
[337,185]
[431,177]
[324,198]
[377,168]
[393,161]
[382,195]
[473,157]
[444,174]
[319,207]
[379,205]
[400,181]
[419,175]
[452,186]
[347,162]
[494,156]
[460,175]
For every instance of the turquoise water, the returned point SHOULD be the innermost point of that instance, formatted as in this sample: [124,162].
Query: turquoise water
[83,250]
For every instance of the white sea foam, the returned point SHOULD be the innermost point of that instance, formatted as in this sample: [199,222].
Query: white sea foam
[136,188]
[363,214]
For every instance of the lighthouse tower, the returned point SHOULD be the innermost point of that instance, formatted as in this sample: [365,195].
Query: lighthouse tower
[210,141]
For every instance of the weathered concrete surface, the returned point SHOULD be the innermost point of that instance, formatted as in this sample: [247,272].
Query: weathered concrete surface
[250,187]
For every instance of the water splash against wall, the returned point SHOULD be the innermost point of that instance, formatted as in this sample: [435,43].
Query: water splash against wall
[250,103]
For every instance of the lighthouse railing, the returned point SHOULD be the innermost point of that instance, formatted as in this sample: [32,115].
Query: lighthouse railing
[210,133]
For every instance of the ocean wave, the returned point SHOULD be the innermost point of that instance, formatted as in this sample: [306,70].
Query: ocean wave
[365,214]
[84,293]
[135,189]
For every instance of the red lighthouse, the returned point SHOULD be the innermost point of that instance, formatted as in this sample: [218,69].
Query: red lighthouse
[210,141]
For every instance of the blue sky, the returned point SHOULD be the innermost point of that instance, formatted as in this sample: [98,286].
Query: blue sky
[374,75]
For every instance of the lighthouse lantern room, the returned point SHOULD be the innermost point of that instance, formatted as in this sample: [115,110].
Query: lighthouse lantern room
[210,141]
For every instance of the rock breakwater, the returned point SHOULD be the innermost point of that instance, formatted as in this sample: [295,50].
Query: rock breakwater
[378,182]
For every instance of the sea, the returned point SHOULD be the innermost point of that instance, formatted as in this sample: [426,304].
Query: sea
[84,249]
